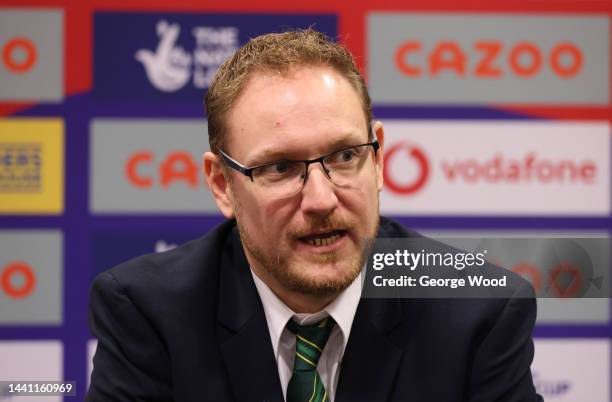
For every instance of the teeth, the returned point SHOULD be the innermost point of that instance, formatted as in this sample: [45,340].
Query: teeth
[317,241]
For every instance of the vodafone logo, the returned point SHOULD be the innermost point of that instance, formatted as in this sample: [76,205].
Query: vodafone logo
[19,55]
[409,160]
[391,177]
[523,60]
[497,168]
[530,168]
[17,280]
[144,169]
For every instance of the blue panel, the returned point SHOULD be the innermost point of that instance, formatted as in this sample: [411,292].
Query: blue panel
[108,249]
[155,57]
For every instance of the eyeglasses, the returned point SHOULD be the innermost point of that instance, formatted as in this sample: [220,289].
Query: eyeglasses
[285,178]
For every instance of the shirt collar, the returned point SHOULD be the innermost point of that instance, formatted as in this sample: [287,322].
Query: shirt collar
[342,309]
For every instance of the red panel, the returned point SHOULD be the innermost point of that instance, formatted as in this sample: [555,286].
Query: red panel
[352,29]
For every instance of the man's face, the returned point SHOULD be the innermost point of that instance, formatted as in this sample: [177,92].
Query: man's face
[310,112]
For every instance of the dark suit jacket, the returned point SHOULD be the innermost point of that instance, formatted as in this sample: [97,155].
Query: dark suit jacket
[188,325]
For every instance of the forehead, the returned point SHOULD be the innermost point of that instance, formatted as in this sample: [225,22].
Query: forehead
[304,111]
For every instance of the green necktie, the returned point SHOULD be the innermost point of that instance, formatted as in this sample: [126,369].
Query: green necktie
[305,384]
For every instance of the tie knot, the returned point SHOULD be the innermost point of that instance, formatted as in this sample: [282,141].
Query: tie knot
[309,342]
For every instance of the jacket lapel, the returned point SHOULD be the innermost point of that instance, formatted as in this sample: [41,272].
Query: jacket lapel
[371,360]
[243,332]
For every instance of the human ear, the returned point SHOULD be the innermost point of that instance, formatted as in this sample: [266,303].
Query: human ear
[218,183]
[380,136]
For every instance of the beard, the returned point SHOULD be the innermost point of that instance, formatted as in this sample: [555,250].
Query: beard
[299,275]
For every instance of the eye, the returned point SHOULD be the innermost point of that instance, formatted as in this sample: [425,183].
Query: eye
[279,172]
[280,167]
[347,155]
[344,157]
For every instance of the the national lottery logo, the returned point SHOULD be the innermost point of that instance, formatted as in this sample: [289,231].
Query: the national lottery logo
[20,167]
[162,246]
[170,67]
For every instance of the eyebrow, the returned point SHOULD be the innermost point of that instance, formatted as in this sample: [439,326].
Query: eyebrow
[270,155]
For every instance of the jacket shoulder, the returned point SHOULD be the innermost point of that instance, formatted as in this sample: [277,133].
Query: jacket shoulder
[185,267]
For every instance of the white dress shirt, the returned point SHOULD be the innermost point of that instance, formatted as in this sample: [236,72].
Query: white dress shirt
[342,310]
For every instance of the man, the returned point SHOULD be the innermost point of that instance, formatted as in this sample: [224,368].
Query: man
[267,306]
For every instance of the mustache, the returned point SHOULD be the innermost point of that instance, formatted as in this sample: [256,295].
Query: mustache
[320,225]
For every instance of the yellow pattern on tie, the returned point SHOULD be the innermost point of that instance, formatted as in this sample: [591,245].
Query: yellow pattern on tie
[305,384]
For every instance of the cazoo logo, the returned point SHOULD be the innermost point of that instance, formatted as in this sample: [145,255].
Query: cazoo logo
[524,59]
[444,59]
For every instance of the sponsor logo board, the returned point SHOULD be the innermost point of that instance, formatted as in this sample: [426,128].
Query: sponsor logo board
[31,277]
[488,58]
[572,370]
[31,166]
[552,278]
[31,361]
[496,168]
[145,166]
[32,55]
[111,248]
[173,57]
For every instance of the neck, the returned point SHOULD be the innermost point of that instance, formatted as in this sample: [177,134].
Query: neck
[298,302]
[304,304]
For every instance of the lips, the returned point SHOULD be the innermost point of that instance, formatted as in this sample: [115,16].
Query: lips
[324,238]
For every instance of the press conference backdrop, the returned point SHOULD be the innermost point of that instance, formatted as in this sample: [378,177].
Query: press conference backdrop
[498,123]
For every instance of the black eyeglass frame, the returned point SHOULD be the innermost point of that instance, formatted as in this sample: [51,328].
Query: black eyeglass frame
[248,171]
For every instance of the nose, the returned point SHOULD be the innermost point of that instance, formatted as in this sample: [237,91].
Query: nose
[318,195]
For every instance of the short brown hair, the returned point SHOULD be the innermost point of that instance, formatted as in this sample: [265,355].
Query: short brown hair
[276,52]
